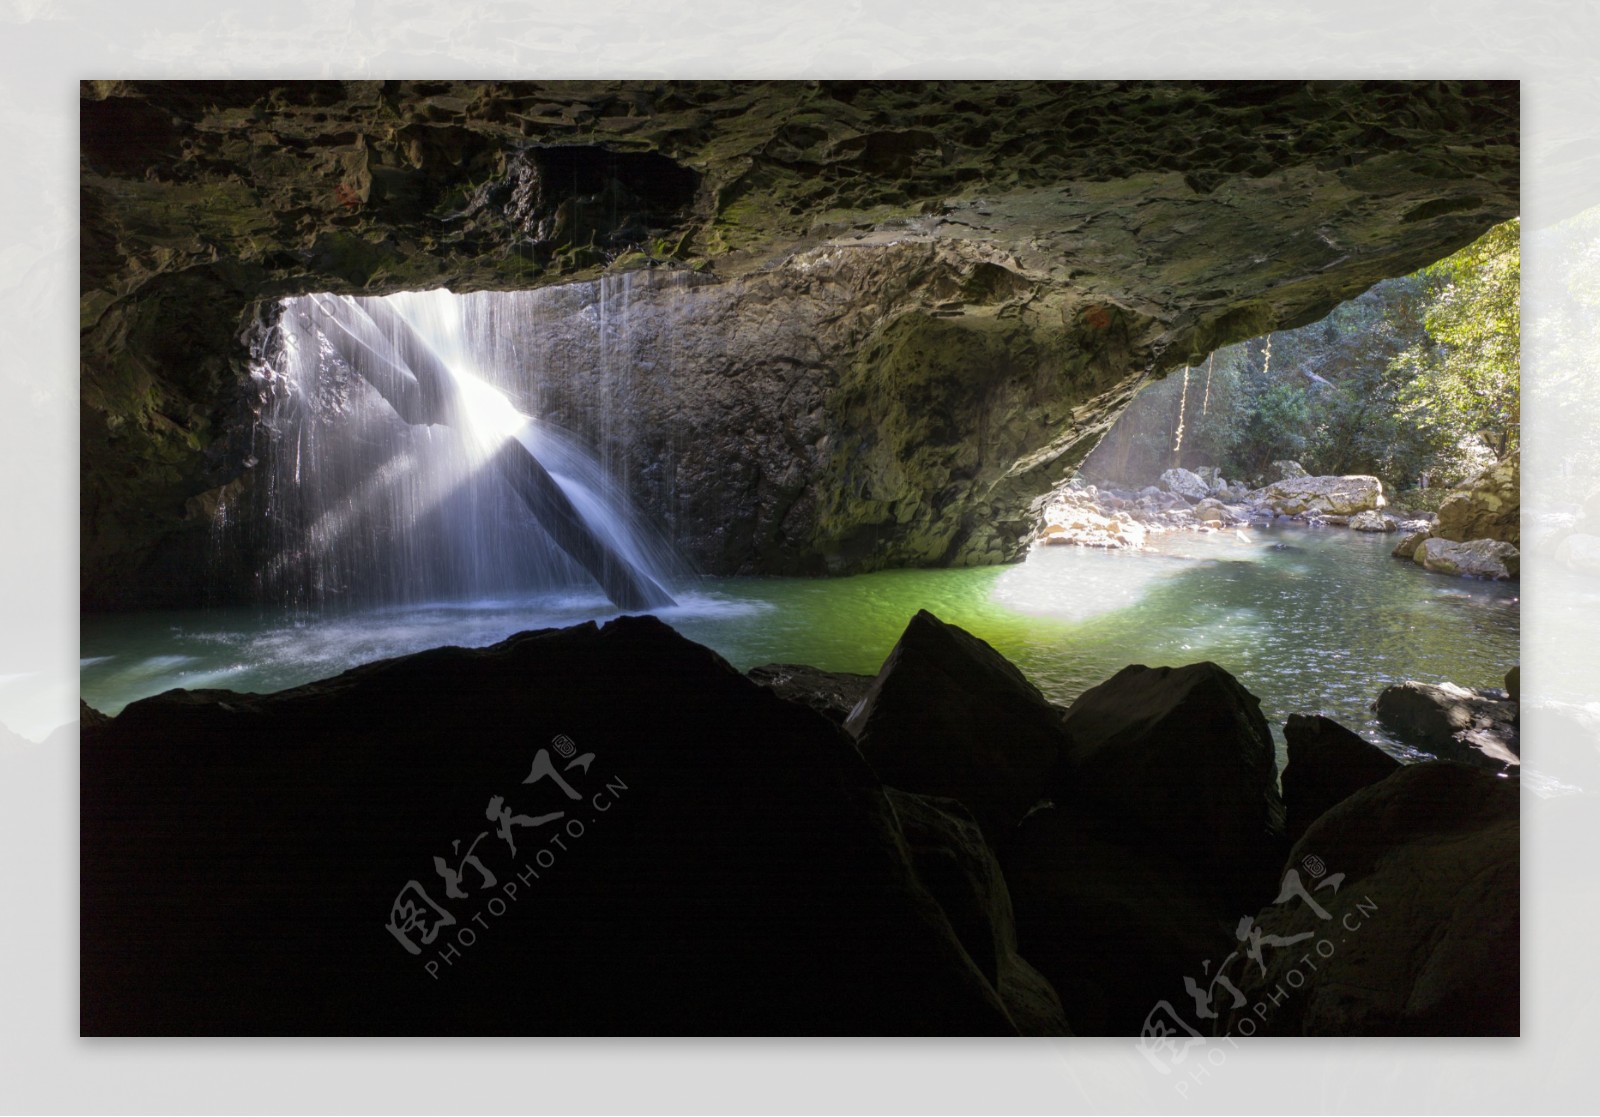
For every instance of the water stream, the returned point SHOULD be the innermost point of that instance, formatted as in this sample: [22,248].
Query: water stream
[388,535]
[1311,620]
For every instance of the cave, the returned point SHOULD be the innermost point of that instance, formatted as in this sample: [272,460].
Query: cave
[736,336]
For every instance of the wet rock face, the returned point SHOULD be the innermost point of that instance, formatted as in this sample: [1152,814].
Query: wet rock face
[1104,231]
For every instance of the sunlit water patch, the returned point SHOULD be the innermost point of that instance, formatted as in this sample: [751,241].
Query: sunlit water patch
[1309,620]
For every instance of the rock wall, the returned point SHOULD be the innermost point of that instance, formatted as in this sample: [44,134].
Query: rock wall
[1088,235]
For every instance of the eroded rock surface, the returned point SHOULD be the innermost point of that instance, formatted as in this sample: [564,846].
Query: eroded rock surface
[1100,232]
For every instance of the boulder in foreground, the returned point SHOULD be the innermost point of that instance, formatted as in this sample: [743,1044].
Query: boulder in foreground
[1179,761]
[587,831]
[1327,764]
[950,716]
[1398,915]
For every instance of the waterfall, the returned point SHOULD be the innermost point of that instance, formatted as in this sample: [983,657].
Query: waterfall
[406,460]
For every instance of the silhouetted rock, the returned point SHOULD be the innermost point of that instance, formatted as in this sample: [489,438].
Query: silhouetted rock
[1453,722]
[1114,928]
[1418,878]
[956,865]
[831,693]
[730,865]
[1178,761]
[1327,764]
[950,716]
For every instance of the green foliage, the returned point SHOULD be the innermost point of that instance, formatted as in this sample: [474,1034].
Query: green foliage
[1410,382]
[1465,379]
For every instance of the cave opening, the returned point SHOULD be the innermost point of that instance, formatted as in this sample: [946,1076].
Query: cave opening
[680,443]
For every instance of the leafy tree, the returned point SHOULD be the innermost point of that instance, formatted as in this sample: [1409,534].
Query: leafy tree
[1465,379]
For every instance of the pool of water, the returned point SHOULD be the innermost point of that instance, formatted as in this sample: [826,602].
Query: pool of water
[1310,620]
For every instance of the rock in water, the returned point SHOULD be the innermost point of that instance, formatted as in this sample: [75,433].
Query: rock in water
[725,862]
[1326,496]
[1408,546]
[1479,558]
[1454,722]
[1180,762]
[1489,506]
[1327,764]
[1185,484]
[955,863]
[1415,928]
[950,716]
[1372,520]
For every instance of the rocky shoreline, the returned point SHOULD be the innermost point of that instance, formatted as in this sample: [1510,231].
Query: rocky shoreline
[936,850]
[1474,534]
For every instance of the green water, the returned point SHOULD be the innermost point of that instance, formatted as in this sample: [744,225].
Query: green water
[1310,620]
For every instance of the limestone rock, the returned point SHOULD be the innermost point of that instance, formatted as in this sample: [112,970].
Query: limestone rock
[1180,762]
[1327,764]
[245,856]
[1339,496]
[1455,722]
[1407,548]
[1479,558]
[1372,521]
[1418,877]
[1185,484]
[949,716]
[1285,471]
[1489,506]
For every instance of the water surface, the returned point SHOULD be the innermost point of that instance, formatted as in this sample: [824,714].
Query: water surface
[1310,620]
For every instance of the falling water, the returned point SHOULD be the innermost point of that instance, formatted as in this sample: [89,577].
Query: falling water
[363,507]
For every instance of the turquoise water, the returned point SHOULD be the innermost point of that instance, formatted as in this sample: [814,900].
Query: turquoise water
[1310,620]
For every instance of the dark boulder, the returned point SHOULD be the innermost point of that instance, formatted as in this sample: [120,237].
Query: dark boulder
[1415,928]
[1327,764]
[1179,762]
[1115,929]
[959,869]
[831,693]
[724,862]
[1454,722]
[950,716]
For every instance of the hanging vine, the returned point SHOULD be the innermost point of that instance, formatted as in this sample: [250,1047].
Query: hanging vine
[1205,404]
